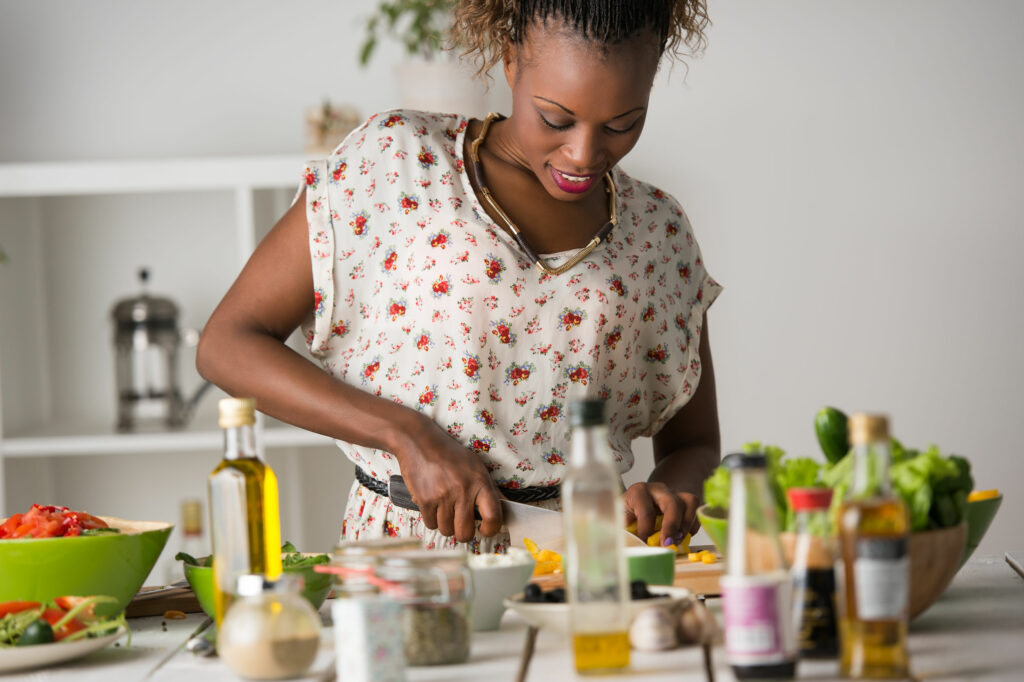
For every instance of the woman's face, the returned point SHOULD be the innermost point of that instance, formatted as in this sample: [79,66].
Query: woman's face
[577,108]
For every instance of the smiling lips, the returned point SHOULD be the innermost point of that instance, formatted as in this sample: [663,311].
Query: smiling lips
[574,184]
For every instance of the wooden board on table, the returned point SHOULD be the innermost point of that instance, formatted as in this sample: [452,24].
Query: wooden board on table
[179,599]
[698,577]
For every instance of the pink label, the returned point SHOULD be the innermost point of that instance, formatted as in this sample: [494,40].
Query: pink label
[755,612]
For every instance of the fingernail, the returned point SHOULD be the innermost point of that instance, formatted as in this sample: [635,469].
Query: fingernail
[667,541]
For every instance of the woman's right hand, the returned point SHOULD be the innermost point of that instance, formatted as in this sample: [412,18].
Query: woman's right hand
[448,482]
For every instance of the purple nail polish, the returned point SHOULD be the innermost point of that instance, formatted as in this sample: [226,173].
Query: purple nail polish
[667,541]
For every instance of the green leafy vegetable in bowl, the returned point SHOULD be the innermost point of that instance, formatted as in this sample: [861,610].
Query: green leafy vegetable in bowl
[934,486]
[199,574]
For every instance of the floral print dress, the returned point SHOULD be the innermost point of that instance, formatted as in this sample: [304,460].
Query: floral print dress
[421,299]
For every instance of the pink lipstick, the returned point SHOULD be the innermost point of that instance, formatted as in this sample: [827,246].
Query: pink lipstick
[574,184]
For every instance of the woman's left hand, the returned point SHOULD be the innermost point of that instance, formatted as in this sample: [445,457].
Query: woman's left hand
[644,502]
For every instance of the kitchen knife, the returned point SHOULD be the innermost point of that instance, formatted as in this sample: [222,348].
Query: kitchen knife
[543,526]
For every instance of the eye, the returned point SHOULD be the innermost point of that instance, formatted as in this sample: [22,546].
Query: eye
[551,125]
[622,131]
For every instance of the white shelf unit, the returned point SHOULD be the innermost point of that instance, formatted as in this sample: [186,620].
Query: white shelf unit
[75,234]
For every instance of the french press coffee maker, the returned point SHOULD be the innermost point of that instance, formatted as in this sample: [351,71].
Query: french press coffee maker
[146,343]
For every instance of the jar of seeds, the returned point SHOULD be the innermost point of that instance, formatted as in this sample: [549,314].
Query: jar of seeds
[434,589]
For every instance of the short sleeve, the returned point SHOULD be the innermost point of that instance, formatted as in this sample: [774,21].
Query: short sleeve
[699,290]
[321,251]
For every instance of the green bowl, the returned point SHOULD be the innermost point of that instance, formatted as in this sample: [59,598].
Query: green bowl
[115,565]
[200,579]
[653,565]
[715,521]
[979,517]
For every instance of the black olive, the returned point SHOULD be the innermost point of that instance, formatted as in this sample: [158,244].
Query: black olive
[37,632]
[556,595]
[533,593]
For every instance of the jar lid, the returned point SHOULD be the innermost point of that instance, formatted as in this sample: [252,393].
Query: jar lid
[236,412]
[745,460]
[868,428]
[806,499]
[420,558]
[365,548]
[586,412]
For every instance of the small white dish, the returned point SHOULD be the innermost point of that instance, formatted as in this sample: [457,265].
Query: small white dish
[555,617]
[496,577]
[40,655]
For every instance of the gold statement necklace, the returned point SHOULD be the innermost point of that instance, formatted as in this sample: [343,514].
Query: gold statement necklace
[602,235]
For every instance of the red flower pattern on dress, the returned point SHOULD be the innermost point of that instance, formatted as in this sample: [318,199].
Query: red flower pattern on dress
[358,223]
[440,240]
[435,284]
[471,367]
[426,157]
[396,309]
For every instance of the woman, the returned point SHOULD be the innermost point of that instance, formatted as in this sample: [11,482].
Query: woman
[451,349]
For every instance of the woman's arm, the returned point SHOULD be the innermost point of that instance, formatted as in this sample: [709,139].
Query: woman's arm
[686,450]
[242,350]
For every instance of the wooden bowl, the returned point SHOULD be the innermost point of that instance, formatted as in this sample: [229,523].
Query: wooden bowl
[934,560]
[935,556]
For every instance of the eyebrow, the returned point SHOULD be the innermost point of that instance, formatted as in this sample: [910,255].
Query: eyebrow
[573,113]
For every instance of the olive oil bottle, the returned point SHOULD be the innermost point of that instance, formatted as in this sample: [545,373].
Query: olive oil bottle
[873,571]
[245,520]
[597,579]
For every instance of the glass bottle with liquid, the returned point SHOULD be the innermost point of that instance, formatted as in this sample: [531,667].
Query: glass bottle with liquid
[245,521]
[813,572]
[874,565]
[760,642]
[597,586]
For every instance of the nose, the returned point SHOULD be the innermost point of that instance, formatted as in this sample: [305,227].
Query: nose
[585,150]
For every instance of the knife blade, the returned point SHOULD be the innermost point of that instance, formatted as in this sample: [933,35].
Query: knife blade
[543,526]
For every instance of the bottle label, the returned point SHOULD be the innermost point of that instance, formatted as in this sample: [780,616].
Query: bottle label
[881,575]
[758,629]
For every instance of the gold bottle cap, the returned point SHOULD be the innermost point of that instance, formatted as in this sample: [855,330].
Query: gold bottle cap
[236,412]
[192,517]
[867,428]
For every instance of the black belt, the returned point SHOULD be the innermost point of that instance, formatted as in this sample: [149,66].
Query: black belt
[528,494]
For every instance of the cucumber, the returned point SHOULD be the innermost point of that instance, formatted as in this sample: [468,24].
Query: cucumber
[830,427]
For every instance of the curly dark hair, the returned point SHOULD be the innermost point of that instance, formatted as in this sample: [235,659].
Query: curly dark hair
[483,27]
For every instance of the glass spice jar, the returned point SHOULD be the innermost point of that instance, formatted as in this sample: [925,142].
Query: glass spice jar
[434,589]
[359,558]
[270,631]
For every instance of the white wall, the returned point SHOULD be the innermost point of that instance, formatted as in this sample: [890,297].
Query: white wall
[852,169]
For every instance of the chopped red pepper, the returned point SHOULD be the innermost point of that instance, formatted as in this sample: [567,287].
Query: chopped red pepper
[53,616]
[49,522]
[86,615]
[17,607]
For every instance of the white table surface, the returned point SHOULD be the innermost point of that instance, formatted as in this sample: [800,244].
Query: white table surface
[974,632]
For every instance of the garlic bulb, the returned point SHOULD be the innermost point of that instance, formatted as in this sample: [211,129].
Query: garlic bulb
[653,629]
[697,625]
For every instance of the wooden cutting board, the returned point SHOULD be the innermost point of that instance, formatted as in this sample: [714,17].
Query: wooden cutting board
[161,601]
[699,578]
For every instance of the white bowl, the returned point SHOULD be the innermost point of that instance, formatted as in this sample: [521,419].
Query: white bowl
[496,577]
[555,617]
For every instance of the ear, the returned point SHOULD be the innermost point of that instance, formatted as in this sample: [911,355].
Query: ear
[510,61]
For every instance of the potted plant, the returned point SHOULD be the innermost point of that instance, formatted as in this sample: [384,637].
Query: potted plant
[431,77]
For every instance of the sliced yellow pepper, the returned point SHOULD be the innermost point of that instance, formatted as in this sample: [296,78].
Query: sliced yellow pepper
[978,495]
